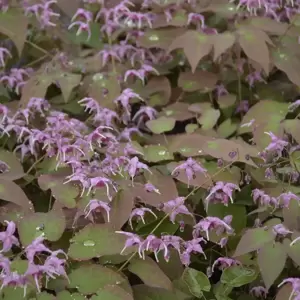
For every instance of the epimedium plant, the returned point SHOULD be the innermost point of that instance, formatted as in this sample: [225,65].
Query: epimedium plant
[149,149]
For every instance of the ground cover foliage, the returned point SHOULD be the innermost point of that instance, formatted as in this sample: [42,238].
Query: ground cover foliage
[150,149]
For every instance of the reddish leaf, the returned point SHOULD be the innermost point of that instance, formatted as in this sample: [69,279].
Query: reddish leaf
[199,80]
[222,42]
[195,45]
[159,38]
[13,23]
[11,192]
[121,207]
[150,273]
[254,44]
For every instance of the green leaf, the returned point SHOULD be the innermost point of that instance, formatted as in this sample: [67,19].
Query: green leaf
[51,225]
[144,292]
[237,276]
[227,128]
[150,273]
[161,125]
[65,295]
[13,23]
[253,239]
[96,240]
[196,281]
[65,194]
[44,296]
[112,292]
[271,260]
[209,118]
[89,279]
[11,192]
[15,170]
[157,153]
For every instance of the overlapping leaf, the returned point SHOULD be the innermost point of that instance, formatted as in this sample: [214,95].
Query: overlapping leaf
[195,45]
[150,273]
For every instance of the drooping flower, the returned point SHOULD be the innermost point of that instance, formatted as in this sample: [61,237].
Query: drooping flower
[259,291]
[213,223]
[175,207]
[95,205]
[190,167]
[221,192]
[224,262]
[132,240]
[7,237]
[295,282]
[140,213]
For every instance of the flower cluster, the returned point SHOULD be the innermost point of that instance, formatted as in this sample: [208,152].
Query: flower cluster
[51,267]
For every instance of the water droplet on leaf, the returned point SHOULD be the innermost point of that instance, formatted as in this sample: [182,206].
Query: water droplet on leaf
[89,243]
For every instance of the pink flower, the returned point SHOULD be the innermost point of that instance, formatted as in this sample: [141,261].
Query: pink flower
[140,213]
[132,240]
[7,237]
[259,291]
[175,207]
[82,27]
[3,54]
[191,167]
[213,223]
[135,166]
[154,244]
[95,205]
[222,192]
[224,262]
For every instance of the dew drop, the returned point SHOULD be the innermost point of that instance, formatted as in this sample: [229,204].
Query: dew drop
[89,243]
[162,152]
[154,37]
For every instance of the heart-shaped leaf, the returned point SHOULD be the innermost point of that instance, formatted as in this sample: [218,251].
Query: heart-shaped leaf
[157,153]
[150,273]
[237,276]
[89,279]
[96,240]
[161,125]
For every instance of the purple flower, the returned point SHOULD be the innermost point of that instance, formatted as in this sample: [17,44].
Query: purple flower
[263,199]
[191,167]
[277,145]
[149,187]
[141,73]
[213,223]
[292,107]
[140,213]
[224,262]
[243,106]
[280,229]
[192,246]
[35,247]
[95,205]
[134,166]
[155,245]
[175,207]
[132,240]
[3,53]
[295,282]
[259,291]
[286,198]
[254,77]
[82,27]
[7,237]
[222,192]
[196,18]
